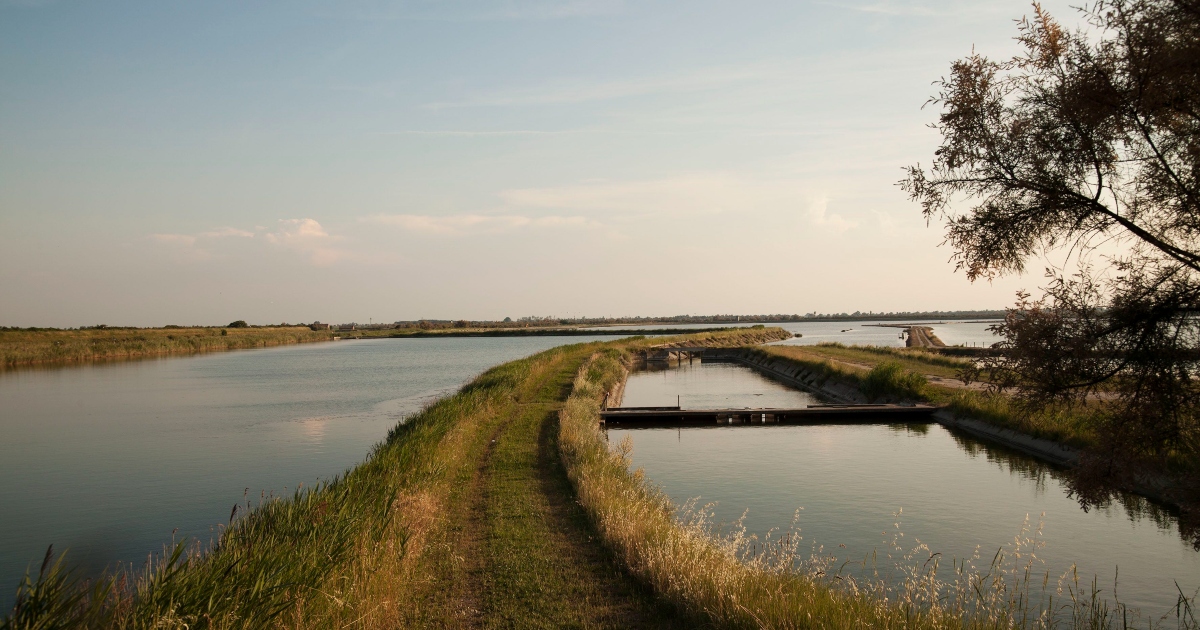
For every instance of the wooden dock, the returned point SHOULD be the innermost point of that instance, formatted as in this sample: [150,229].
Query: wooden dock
[815,414]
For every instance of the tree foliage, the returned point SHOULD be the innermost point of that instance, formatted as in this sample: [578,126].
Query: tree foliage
[1087,144]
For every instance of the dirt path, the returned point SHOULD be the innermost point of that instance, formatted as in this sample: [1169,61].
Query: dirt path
[529,557]
[923,337]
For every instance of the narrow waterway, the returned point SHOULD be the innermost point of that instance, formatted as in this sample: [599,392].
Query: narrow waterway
[108,460]
[885,489]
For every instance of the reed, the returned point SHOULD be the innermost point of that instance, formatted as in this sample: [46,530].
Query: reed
[31,347]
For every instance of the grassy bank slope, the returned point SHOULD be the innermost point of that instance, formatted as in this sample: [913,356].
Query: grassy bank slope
[913,374]
[48,347]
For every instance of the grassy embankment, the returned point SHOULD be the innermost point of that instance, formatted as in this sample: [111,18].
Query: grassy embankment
[503,506]
[48,346]
[915,374]
[463,516]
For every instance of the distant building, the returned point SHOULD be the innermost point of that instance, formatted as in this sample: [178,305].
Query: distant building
[347,327]
[319,326]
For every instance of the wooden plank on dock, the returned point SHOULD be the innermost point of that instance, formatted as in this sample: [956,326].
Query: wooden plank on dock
[672,416]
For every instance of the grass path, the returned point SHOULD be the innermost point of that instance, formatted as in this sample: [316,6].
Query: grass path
[524,553]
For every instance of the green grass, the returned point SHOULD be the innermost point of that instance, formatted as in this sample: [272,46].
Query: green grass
[894,374]
[19,348]
[913,359]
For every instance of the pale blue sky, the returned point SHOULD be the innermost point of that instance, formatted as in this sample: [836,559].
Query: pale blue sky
[188,162]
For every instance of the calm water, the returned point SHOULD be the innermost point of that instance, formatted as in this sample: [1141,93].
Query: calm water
[865,333]
[108,459]
[850,480]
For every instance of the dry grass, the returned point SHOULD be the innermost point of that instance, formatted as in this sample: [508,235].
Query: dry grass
[20,348]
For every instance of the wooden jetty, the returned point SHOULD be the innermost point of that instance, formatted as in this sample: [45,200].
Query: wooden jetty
[674,353]
[676,416]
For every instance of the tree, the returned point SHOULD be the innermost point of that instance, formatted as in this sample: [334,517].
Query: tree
[241,323]
[1087,144]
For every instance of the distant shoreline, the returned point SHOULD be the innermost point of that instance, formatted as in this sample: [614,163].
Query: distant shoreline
[541,332]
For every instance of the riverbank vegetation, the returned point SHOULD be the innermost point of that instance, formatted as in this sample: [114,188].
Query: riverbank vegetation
[405,333]
[33,346]
[915,374]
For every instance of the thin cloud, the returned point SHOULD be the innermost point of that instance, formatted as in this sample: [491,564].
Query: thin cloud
[580,92]
[227,232]
[887,7]
[304,236]
[175,239]
[472,134]
[307,237]
[686,196]
[181,247]
[389,10]
[818,213]
[465,223]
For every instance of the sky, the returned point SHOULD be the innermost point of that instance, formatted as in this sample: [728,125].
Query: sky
[175,162]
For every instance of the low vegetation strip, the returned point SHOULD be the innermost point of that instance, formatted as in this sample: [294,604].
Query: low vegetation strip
[27,347]
[892,373]
[532,332]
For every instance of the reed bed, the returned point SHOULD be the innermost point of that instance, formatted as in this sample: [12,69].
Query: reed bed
[739,581]
[20,348]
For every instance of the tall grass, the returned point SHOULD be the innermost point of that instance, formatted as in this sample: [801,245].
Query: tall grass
[46,347]
[891,379]
[739,581]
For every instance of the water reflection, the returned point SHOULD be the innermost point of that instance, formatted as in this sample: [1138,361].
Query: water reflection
[956,494]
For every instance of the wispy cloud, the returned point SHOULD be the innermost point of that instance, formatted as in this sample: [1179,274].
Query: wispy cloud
[465,223]
[496,11]
[307,237]
[685,196]
[704,79]
[227,232]
[485,133]
[919,9]
[304,236]
[818,213]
